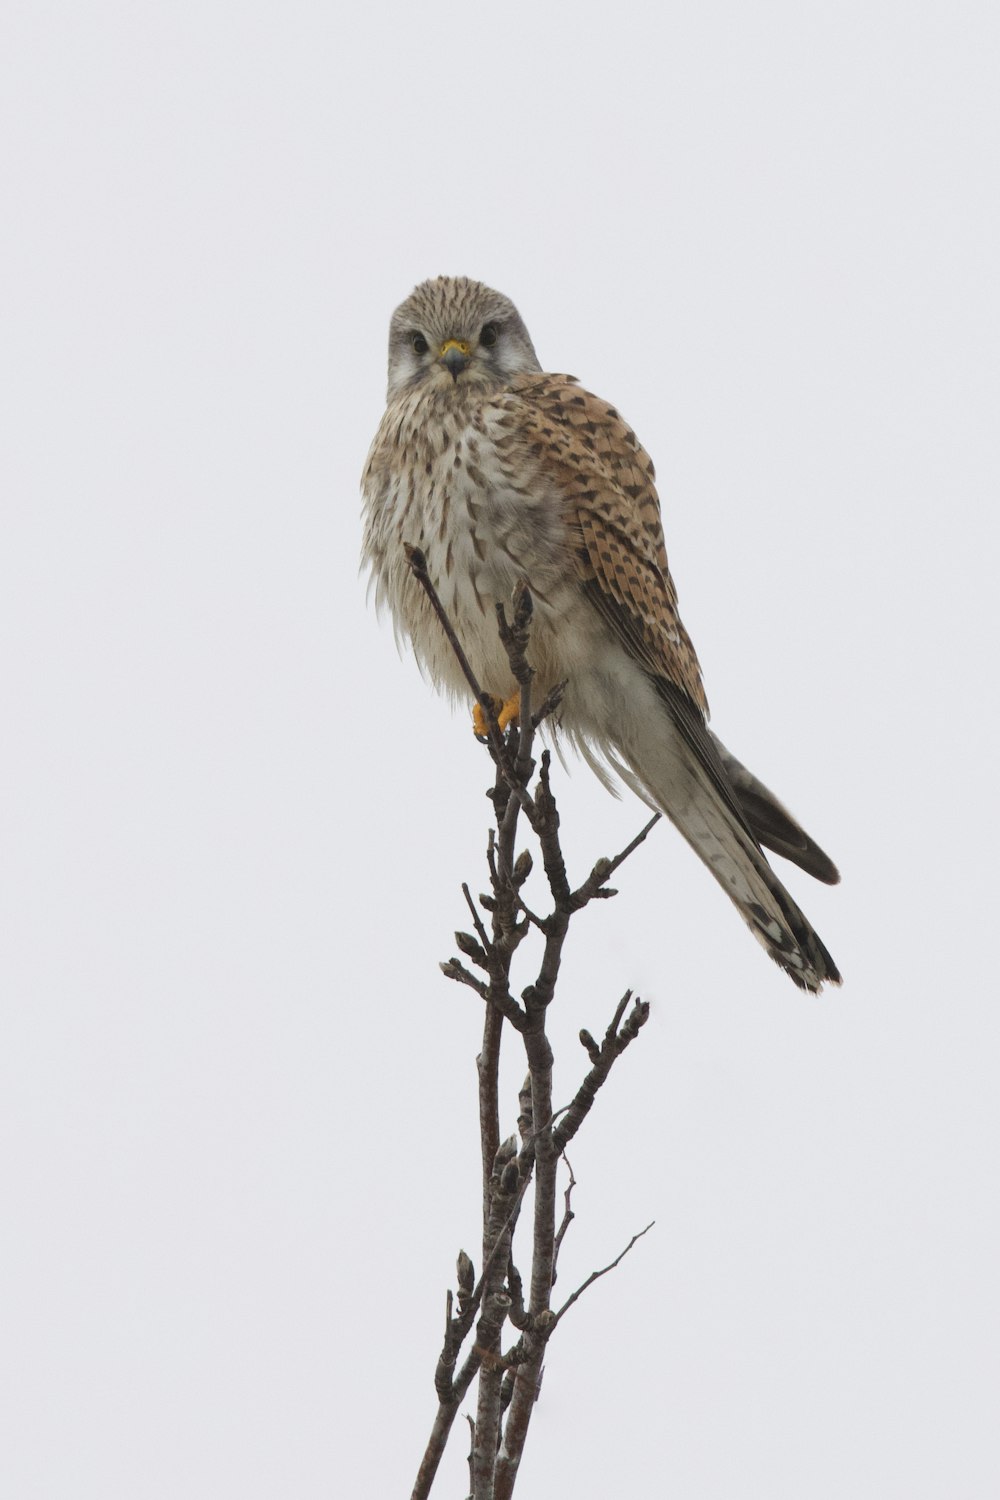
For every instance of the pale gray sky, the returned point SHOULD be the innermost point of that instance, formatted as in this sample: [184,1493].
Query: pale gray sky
[236,1096]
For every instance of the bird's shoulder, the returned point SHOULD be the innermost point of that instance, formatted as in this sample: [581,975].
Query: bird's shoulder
[605,479]
[586,443]
[567,422]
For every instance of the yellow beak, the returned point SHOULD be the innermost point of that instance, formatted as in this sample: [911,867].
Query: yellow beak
[455,355]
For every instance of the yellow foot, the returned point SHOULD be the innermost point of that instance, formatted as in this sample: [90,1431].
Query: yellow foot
[509,711]
[506,714]
[480,728]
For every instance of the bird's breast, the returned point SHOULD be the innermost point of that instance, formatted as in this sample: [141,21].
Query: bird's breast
[485,521]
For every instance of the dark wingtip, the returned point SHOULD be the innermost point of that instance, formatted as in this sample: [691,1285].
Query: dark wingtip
[816,863]
[823,869]
[771,824]
[778,831]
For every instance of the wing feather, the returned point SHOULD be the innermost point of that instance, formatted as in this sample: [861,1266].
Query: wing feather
[612,510]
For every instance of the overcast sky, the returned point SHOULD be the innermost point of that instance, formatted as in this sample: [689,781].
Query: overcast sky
[237,1098]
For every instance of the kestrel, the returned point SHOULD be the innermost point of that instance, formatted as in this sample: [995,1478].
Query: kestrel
[501,474]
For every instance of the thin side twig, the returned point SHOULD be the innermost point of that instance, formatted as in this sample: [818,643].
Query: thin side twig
[596,1276]
[618,1036]
[418,567]
[605,868]
[568,1215]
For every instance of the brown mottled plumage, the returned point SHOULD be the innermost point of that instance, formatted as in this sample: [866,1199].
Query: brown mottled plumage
[501,473]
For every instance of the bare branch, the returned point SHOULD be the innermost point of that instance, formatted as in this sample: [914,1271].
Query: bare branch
[549,705]
[604,868]
[567,1218]
[509,1381]
[514,639]
[418,567]
[617,1037]
[477,920]
[436,1443]
[536,921]
[453,969]
[506,1191]
[596,1276]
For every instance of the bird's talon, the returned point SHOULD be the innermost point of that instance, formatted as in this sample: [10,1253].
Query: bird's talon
[505,713]
[480,725]
[509,711]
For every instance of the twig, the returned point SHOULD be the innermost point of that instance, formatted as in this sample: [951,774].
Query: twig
[603,1058]
[568,1215]
[418,567]
[604,868]
[452,968]
[514,639]
[596,1276]
[480,929]
[549,705]
[535,921]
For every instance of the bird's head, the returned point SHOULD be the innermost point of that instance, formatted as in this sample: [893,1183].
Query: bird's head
[453,332]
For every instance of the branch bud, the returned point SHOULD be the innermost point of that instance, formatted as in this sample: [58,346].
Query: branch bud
[466,1275]
[523,606]
[510,1178]
[506,1151]
[472,949]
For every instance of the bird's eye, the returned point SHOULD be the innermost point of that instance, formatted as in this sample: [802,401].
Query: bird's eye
[488,336]
[419,343]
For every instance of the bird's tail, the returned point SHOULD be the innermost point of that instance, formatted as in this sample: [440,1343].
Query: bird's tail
[757,893]
[771,824]
[682,773]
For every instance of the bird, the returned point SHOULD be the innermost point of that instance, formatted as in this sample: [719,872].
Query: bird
[503,474]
